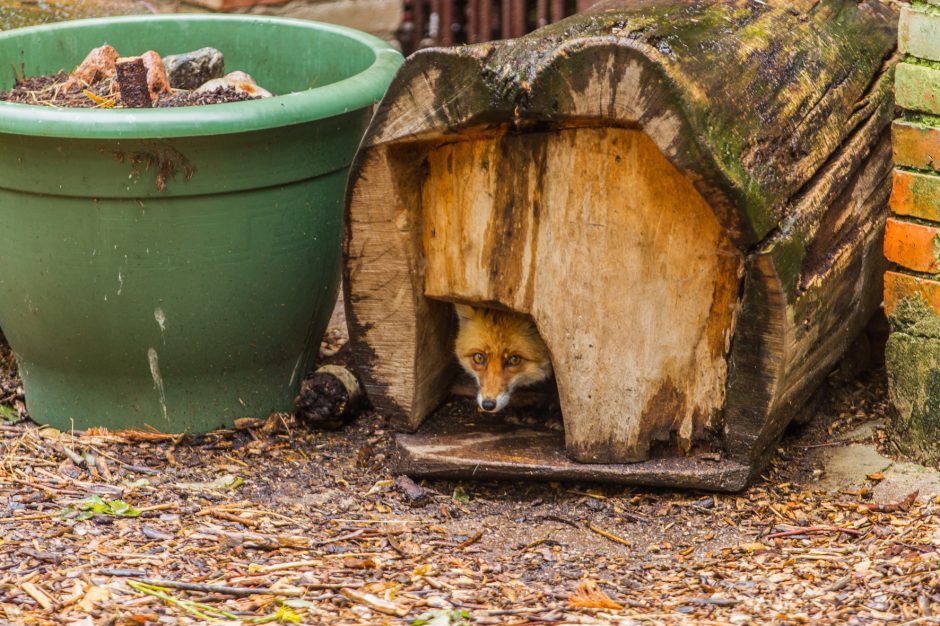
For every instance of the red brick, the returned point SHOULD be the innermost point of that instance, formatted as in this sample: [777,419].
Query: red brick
[916,145]
[919,33]
[916,194]
[917,88]
[900,286]
[912,246]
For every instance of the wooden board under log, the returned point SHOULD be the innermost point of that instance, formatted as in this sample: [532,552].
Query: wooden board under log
[697,246]
[486,447]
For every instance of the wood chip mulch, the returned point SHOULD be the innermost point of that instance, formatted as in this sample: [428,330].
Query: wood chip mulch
[279,523]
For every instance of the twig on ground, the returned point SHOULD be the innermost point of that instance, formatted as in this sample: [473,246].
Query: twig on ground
[814,529]
[608,535]
[470,540]
[223,589]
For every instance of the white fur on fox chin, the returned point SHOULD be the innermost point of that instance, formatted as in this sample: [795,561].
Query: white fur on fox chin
[501,401]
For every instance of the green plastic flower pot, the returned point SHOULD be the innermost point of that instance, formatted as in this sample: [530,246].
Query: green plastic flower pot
[177,267]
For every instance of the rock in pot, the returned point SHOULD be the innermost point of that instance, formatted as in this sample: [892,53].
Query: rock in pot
[191,69]
[239,81]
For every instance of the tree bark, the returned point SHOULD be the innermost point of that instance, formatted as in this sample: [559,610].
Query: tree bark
[132,82]
[688,198]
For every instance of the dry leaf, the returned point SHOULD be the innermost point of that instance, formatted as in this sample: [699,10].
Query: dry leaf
[38,595]
[384,587]
[590,596]
[894,507]
[877,476]
[352,562]
[424,569]
[374,602]
[379,486]
[95,596]
[755,546]
[141,435]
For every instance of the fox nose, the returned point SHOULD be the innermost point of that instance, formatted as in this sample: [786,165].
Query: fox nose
[488,405]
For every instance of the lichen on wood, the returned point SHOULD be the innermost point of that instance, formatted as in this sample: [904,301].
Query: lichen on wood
[752,137]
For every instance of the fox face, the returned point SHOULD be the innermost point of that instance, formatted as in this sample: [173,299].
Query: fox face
[502,351]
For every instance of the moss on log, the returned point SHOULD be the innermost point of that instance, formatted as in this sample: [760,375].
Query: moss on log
[751,98]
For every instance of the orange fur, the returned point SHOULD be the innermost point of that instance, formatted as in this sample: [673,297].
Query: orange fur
[502,351]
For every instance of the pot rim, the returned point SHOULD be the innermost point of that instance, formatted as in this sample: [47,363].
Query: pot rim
[349,94]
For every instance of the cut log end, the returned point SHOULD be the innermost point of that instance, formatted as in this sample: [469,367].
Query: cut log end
[158,84]
[330,398]
[641,225]
[132,83]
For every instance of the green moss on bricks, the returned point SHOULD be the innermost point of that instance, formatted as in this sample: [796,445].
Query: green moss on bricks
[915,317]
[935,65]
[926,7]
[912,356]
[917,87]
[922,118]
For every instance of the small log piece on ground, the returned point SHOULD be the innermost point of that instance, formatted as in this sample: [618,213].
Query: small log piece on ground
[330,398]
[415,494]
[132,83]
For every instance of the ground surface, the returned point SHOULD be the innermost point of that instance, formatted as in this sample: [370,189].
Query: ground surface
[320,532]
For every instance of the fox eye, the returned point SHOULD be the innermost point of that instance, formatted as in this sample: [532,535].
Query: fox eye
[514,360]
[478,358]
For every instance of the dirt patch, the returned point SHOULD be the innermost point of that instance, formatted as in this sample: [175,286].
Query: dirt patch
[319,530]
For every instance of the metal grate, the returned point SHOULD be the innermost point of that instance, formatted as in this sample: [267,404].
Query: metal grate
[448,22]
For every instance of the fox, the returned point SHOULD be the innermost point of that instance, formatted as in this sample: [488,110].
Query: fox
[502,351]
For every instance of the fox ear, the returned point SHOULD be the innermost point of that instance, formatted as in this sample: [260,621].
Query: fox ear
[464,312]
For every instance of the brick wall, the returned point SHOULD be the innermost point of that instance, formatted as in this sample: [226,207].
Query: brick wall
[912,238]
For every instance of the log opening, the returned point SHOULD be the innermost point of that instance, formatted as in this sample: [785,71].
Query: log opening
[590,230]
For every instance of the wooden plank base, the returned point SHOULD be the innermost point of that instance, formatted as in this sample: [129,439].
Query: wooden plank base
[451,444]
